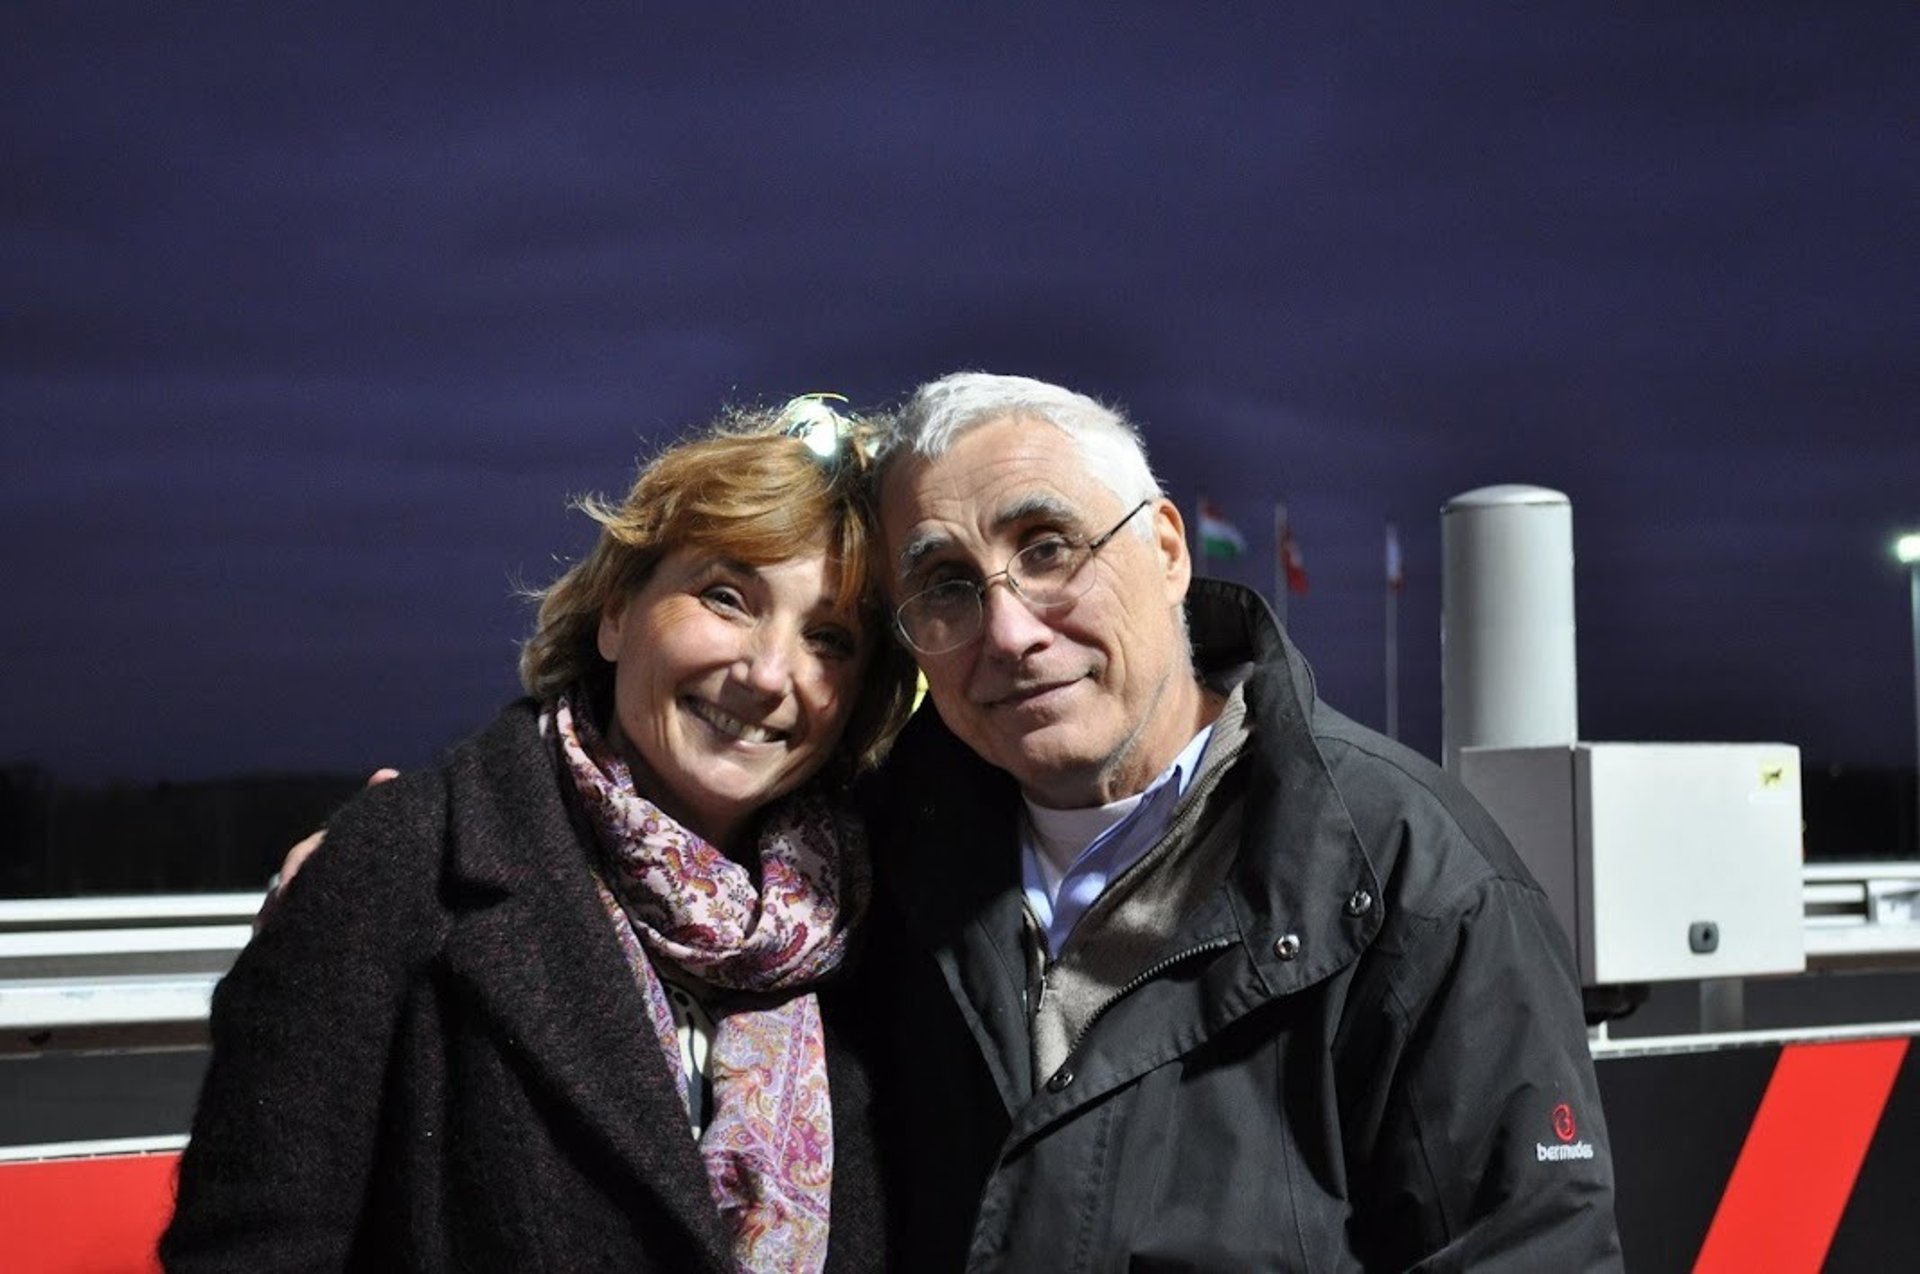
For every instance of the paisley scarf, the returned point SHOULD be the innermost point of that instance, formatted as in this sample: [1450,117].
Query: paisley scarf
[673,897]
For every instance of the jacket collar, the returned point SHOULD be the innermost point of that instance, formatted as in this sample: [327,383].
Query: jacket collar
[1303,871]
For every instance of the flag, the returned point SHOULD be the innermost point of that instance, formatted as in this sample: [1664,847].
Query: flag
[1291,562]
[1396,575]
[1219,537]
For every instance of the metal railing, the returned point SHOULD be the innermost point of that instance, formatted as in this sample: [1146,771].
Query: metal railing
[115,973]
[1862,915]
[133,972]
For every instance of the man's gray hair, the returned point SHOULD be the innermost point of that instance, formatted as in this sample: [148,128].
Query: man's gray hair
[942,410]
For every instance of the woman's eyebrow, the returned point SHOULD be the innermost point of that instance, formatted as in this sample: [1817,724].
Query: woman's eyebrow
[720,564]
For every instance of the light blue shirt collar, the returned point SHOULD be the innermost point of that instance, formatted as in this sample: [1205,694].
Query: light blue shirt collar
[1117,843]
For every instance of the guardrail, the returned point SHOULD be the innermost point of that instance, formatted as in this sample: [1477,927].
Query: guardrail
[1862,915]
[115,973]
[133,972]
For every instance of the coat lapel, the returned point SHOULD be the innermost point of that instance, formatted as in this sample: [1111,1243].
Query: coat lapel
[957,882]
[531,952]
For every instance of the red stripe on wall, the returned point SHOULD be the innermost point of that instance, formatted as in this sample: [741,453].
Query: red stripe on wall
[1791,1181]
[85,1216]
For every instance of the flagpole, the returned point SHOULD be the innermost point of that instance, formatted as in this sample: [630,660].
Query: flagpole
[1396,582]
[1200,534]
[1280,561]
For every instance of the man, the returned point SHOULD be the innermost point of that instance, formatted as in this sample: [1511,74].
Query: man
[1187,970]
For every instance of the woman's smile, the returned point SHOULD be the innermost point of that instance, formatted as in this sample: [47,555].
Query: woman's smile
[726,723]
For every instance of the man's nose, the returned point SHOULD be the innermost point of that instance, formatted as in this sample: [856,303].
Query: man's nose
[1008,625]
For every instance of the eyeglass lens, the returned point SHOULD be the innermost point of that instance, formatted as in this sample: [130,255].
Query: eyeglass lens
[1045,575]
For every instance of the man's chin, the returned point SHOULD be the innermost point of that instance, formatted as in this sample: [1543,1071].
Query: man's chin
[1047,761]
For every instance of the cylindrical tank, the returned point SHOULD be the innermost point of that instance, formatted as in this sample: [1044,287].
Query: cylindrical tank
[1507,676]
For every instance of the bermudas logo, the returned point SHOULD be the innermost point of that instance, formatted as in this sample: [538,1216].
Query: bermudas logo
[1565,1130]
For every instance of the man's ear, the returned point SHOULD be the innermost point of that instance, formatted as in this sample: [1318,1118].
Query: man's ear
[1170,540]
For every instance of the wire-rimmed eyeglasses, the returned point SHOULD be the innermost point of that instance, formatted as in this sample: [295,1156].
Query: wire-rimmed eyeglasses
[1046,575]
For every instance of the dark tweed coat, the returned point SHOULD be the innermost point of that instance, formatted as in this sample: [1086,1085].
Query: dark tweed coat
[433,1057]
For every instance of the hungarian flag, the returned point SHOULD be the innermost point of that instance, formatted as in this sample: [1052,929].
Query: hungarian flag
[1218,537]
[1396,574]
[1291,562]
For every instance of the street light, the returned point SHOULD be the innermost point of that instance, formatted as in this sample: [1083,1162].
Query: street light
[1907,549]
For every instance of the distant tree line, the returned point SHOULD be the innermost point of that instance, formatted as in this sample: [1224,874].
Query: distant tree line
[60,840]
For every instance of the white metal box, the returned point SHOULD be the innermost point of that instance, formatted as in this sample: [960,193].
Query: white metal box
[1664,861]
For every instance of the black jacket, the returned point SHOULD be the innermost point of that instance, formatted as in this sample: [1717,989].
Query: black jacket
[1364,1050]
[434,1057]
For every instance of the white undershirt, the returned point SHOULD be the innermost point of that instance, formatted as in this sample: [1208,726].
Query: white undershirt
[1060,836]
[1069,857]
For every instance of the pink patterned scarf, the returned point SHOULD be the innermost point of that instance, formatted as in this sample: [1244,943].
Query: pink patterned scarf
[675,898]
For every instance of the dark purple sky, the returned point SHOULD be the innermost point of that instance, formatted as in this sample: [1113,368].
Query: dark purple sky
[314,317]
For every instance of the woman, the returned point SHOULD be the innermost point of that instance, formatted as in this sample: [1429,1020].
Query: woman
[478,1031]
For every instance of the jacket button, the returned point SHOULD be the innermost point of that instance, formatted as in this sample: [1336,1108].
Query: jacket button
[1288,946]
[1360,904]
[1059,1080]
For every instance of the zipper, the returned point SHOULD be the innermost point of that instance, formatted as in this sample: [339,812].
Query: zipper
[1133,984]
[1186,818]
